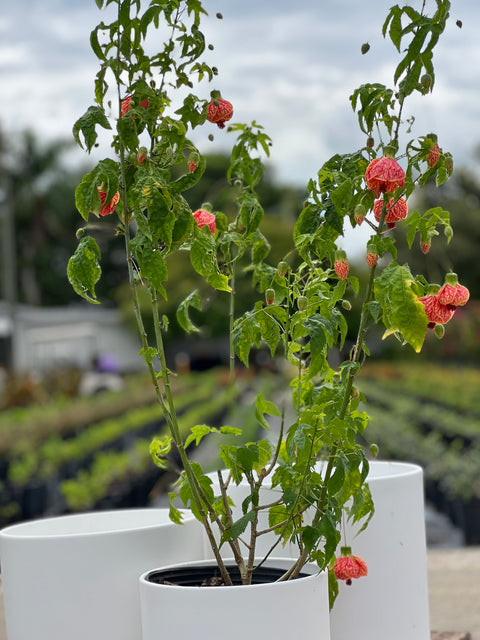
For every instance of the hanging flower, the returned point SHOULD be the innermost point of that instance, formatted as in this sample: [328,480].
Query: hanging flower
[141,155]
[219,111]
[341,265]
[453,293]
[372,258]
[110,207]
[384,175]
[425,246]
[203,218]
[359,213]
[437,313]
[434,154]
[348,566]
[397,210]
[126,106]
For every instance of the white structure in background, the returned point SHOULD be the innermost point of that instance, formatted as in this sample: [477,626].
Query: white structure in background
[35,339]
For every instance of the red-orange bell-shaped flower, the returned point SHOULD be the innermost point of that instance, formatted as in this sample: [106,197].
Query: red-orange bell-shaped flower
[384,175]
[348,566]
[396,210]
[219,111]
[203,218]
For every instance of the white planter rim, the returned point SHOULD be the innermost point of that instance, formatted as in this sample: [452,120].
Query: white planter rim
[95,523]
[309,572]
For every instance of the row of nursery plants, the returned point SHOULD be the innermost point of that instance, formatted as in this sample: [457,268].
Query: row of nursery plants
[103,461]
[441,432]
[64,416]
[113,476]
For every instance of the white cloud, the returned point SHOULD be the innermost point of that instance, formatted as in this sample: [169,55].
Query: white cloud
[290,66]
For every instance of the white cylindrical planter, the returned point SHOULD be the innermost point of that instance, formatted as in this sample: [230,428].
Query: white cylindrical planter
[392,601]
[280,610]
[76,576]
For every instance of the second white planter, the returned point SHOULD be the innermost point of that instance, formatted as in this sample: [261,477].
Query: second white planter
[76,577]
[392,601]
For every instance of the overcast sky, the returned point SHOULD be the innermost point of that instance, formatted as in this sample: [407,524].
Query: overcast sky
[289,65]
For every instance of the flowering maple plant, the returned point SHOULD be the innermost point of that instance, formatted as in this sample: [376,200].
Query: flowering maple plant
[302,310]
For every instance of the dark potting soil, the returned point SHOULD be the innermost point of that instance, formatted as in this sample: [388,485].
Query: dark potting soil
[209,576]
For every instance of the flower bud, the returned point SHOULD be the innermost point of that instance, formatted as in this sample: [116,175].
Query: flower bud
[365,48]
[370,142]
[426,82]
[425,246]
[302,302]
[347,305]
[269,296]
[373,448]
[80,233]
[448,232]
[282,268]
[359,213]
[439,331]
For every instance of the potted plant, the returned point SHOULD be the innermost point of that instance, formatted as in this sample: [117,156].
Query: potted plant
[311,477]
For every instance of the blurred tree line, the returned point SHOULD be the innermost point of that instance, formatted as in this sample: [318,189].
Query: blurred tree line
[41,184]
[38,185]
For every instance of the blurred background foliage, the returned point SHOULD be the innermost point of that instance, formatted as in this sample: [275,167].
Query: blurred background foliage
[43,182]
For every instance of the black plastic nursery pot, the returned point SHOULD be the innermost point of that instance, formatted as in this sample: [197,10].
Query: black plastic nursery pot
[201,576]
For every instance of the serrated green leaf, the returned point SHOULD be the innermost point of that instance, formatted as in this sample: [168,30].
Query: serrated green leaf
[316,330]
[198,432]
[86,125]
[127,131]
[153,268]
[83,270]
[265,407]
[238,527]
[159,448]
[175,514]
[264,455]
[203,257]
[402,312]
[161,217]
[95,45]
[183,317]
[270,330]
[246,334]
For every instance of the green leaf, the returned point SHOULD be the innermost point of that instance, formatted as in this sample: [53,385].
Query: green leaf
[161,217]
[250,213]
[264,455]
[175,514]
[94,43]
[316,329]
[203,257]
[183,318]
[246,334]
[159,448]
[267,407]
[127,131]
[153,268]
[198,432]
[238,527]
[270,330]
[86,125]
[87,198]
[278,517]
[402,312]
[84,269]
